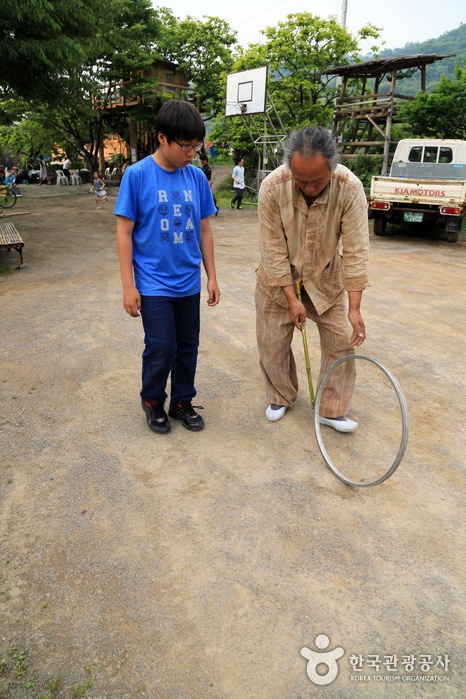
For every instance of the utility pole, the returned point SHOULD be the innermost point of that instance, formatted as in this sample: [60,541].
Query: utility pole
[344,9]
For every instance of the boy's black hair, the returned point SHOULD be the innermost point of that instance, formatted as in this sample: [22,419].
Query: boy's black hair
[178,119]
[237,159]
[202,156]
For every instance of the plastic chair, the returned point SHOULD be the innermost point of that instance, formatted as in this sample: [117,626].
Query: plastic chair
[75,178]
[61,178]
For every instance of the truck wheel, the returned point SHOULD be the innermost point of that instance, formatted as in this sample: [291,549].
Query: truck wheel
[452,228]
[380,225]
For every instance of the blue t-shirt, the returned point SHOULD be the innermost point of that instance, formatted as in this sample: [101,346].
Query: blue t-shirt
[167,208]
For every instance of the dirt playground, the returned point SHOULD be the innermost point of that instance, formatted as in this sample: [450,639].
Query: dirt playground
[218,564]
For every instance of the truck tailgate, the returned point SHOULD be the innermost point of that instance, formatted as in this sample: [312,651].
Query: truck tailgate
[398,189]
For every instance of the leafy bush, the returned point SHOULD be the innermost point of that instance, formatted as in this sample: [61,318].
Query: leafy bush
[365,167]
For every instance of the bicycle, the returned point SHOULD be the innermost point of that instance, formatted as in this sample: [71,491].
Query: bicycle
[250,191]
[7,195]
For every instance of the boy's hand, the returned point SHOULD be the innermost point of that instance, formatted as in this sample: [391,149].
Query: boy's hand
[132,302]
[214,293]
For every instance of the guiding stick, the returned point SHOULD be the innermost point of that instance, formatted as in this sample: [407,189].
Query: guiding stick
[306,351]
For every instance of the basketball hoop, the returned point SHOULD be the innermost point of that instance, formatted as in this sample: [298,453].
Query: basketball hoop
[246,92]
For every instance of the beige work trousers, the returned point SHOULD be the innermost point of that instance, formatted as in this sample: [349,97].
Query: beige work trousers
[275,330]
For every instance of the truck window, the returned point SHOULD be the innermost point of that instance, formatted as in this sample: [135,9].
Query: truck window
[445,155]
[430,154]
[415,154]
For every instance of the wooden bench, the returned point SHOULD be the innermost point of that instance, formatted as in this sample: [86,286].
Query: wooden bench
[10,239]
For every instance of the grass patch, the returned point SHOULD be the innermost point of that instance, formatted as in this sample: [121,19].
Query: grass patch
[5,269]
[17,680]
[225,193]
[221,160]
[79,690]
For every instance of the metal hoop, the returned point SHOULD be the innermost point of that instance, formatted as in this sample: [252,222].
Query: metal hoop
[404,420]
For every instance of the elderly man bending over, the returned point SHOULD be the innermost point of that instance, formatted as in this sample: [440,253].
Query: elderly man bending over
[313,231]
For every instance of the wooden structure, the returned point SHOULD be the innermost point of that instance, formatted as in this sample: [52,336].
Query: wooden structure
[10,239]
[117,96]
[169,78]
[365,119]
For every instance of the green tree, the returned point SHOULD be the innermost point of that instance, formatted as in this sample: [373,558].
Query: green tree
[28,139]
[203,51]
[439,113]
[49,130]
[40,40]
[117,58]
[297,52]
[126,49]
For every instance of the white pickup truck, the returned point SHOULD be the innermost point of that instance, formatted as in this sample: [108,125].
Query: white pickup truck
[426,185]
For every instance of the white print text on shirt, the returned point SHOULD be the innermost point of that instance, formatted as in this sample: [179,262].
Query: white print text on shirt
[177,214]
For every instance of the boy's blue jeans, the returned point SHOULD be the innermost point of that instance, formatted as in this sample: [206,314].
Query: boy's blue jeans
[171,327]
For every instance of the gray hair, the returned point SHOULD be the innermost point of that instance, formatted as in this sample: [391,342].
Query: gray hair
[309,142]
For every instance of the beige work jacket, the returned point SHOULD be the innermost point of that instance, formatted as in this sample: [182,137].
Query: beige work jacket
[325,246]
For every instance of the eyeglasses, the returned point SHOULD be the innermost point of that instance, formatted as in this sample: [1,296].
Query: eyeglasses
[186,147]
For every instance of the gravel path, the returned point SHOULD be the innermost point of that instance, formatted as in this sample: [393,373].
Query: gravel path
[199,565]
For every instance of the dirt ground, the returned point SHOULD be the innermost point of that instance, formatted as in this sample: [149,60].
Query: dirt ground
[199,565]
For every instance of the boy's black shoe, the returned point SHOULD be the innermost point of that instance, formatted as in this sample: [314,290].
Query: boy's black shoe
[156,416]
[184,411]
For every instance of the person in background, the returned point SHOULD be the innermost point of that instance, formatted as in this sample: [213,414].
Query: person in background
[207,170]
[98,188]
[42,177]
[11,175]
[238,182]
[67,168]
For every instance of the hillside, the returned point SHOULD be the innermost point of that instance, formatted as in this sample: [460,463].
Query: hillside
[453,41]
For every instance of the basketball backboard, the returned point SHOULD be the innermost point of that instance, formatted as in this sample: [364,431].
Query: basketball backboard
[246,92]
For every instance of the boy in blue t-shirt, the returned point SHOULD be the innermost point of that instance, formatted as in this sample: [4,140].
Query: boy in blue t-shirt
[163,235]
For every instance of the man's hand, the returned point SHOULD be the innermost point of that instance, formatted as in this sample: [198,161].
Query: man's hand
[359,331]
[214,293]
[295,308]
[297,312]
[132,301]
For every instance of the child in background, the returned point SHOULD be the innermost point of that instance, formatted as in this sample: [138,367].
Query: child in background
[98,188]
[207,170]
